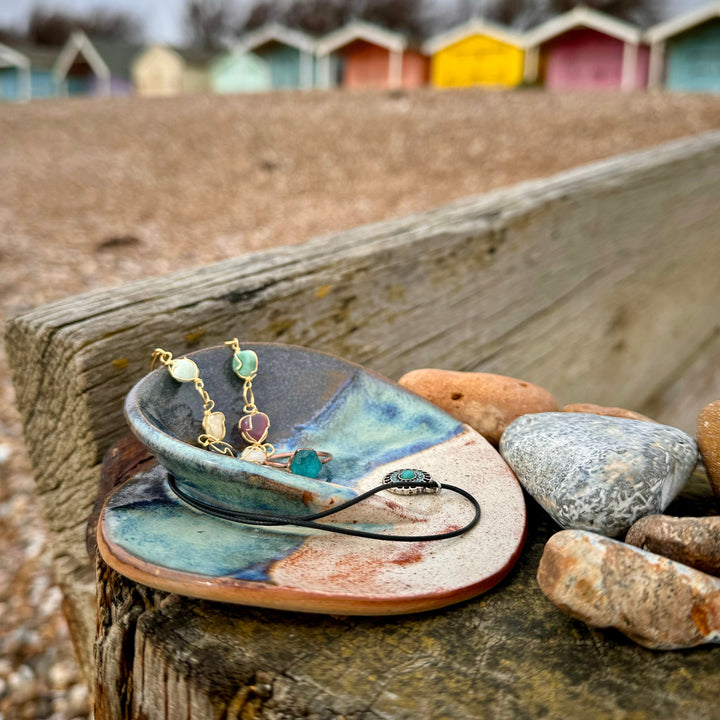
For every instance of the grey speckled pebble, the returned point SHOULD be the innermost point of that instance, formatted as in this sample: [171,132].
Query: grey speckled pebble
[597,473]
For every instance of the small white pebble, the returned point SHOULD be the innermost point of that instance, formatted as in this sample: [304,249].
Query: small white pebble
[21,677]
[61,676]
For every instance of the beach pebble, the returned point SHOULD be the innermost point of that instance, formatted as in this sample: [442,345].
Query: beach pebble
[693,541]
[608,411]
[597,473]
[655,601]
[708,437]
[486,402]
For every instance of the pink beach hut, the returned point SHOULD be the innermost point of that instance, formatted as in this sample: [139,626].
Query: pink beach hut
[584,49]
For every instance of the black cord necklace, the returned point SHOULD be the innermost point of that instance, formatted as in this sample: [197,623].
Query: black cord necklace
[309,521]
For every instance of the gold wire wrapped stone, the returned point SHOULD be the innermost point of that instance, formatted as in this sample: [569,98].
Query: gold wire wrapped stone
[214,424]
[184,370]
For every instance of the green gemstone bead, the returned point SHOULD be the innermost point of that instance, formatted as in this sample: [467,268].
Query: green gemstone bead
[407,475]
[245,364]
[305,462]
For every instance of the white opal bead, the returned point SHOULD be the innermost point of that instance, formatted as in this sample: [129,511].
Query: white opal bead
[254,454]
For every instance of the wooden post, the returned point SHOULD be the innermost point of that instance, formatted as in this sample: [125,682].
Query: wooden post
[655,71]
[629,66]
[323,71]
[24,83]
[306,70]
[395,69]
[510,652]
[532,58]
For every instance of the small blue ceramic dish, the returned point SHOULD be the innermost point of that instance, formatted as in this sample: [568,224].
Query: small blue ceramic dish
[314,400]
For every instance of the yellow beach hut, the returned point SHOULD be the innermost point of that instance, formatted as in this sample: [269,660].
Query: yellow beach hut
[164,71]
[476,53]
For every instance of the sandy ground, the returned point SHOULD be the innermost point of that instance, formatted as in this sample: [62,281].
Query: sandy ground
[95,193]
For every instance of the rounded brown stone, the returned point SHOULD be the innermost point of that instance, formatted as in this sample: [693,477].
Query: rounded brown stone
[485,401]
[693,541]
[655,601]
[708,439]
[609,411]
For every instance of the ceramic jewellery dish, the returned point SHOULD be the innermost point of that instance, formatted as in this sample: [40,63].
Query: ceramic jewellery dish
[372,427]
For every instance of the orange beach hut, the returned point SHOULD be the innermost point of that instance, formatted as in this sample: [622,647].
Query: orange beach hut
[370,56]
[476,53]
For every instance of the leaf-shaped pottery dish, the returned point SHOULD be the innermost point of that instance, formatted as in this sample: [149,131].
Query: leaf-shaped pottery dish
[371,426]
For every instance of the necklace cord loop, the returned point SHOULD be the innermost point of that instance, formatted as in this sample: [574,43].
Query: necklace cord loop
[310,521]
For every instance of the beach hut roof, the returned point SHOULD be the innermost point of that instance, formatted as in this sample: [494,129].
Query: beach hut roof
[584,17]
[117,55]
[41,57]
[79,44]
[474,26]
[13,58]
[193,55]
[683,22]
[360,30]
[275,32]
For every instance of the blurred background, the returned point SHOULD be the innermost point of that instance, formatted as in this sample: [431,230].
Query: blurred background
[138,137]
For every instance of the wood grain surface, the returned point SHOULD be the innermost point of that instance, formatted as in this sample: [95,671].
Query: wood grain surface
[599,284]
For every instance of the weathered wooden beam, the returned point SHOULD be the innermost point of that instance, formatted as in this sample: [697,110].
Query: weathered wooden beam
[599,283]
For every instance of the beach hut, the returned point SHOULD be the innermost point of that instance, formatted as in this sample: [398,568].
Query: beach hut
[477,52]
[239,73]
[118,56]
[158,71]
[585,49]
[15,78]
[369,56]
[79,69]
[42,80]
[690,46]
[289,55]
[161,70]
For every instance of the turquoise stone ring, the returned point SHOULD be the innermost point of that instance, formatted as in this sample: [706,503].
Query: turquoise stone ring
[304,461]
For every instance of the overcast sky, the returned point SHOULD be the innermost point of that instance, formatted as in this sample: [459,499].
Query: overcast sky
[163,18]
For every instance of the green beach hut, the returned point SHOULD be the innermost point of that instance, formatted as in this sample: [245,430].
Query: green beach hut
[289,55]
[685,51]
[239,72]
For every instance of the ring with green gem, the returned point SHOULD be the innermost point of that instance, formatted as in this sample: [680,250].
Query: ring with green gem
[303,461]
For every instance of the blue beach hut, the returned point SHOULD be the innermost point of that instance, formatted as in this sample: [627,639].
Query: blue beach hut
[15,83]
[289,54]
[685,51]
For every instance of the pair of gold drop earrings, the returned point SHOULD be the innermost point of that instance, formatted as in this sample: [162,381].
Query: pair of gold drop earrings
[254,425]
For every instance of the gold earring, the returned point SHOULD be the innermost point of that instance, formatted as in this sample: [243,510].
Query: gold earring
[254,426]
[213,422]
